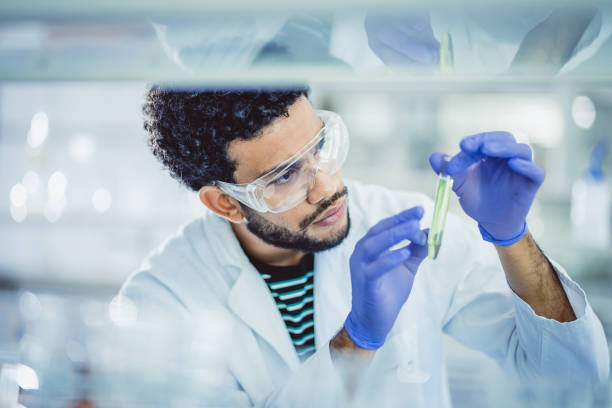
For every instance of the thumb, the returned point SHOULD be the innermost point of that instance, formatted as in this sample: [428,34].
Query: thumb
[418,253]
[438,162]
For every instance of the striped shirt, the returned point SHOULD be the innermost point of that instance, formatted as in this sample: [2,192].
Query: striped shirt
[292,288]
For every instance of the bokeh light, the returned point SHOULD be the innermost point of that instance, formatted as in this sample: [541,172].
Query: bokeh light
[102,200]
[18,195]
[39,130]
[57,186]
[26,377]
[18,214]
[583,112]
[31,181]
[54,209]
[82,148]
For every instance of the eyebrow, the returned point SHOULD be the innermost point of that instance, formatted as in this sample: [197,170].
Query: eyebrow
[263,173]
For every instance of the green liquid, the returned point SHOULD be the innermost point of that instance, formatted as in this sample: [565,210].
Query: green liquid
[434,240]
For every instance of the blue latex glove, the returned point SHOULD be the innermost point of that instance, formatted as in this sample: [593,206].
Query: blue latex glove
[403,40]
[496,182]
[381,279]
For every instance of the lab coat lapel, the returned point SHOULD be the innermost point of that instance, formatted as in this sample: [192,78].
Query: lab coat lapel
[250,299]
[333,282]
[332,295]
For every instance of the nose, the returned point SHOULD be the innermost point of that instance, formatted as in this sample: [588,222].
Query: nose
[323,186]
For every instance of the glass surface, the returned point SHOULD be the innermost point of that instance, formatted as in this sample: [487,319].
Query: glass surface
[408,78]
[126,209]
[443,194]
[271,40]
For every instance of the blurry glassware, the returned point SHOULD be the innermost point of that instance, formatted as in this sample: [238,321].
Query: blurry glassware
[590,205]
[583,111]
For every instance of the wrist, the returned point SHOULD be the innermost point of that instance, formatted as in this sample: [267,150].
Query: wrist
[354,331]
[349,359]
[487,236]
[342,344]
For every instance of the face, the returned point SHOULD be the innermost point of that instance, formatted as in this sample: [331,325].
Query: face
[321,221]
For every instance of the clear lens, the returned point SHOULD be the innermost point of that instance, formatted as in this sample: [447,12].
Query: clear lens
[291,185]
[288,189]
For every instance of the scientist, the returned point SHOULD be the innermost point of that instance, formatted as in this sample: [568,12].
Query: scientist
[294,285]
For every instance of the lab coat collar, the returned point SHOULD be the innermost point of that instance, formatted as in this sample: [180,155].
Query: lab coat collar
[249,297]
[332,280]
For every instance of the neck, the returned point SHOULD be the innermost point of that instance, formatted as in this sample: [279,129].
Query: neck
[263,252]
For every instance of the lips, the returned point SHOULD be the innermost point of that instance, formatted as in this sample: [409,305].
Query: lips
[332,215]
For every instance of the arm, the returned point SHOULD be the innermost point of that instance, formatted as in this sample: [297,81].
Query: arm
[381,281]
[543,335]
[349,359]
[532,277]
[550,44]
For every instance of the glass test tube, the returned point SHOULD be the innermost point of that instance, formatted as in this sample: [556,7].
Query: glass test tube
[447,59]
[434,240]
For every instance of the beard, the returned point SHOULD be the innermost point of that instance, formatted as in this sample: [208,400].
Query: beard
[285,238]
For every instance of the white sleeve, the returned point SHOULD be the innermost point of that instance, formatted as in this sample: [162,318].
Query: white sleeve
[572,350]
[486,315]
[596,35]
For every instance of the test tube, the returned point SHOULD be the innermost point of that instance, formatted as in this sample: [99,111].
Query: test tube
[447,58]
[434,239]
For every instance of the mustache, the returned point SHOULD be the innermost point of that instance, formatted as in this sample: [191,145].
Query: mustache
[322,207]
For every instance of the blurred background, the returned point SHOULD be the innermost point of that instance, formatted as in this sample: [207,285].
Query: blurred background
[83,201]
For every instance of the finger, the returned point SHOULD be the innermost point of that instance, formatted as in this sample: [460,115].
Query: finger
[461,161]
[412,48]
[470,150]
[418,253]
[419,250]
[388,262]
[472,144]
[508,150]
[528,169]
[407,39]
[390,55]
[376,245]
[438,162]
[387,54]
[413,213]
[417,25]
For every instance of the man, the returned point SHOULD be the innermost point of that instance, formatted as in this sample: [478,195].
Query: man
[294,283]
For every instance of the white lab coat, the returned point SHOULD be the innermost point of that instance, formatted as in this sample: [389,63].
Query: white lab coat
[202,276]
[484,41]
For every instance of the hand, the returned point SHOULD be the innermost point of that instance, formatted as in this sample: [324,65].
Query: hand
[496,182]
[405,40]
[381,279]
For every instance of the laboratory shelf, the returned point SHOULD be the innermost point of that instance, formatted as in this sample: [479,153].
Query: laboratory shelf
[118,8]
[147,40]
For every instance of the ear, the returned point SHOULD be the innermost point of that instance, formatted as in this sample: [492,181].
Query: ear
[222,204]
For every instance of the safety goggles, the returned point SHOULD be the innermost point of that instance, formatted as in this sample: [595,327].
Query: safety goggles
[290,182]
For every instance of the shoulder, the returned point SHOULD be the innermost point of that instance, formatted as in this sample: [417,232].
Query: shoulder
[183,272]
[373,202]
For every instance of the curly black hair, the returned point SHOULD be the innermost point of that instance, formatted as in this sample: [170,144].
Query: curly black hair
[189,130]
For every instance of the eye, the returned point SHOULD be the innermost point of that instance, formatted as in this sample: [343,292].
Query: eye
[286,177]
[319,146]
